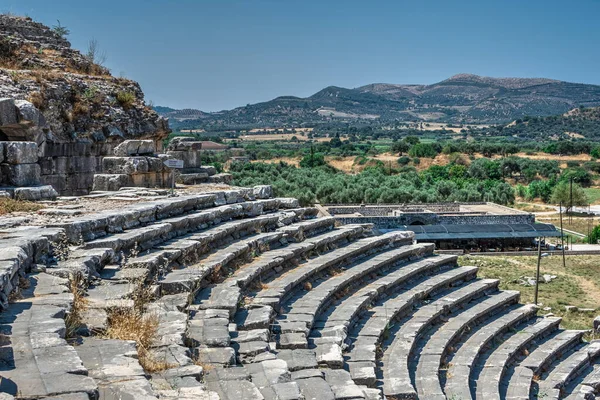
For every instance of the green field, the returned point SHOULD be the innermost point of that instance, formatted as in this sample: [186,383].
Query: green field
[593,195]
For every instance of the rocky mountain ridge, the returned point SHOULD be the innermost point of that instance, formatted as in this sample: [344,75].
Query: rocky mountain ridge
[462,98]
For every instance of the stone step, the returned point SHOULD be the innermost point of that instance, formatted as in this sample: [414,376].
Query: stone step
[190,248]
[284,284]
[567,370]
[146,237]
[267,266]
[114,366]
[189,279]
[344,315]
[227,294]
[459,367]
[490,379]
[589,387]
[342,385]
[437,346]
[312,302]
[36,361]
[380,318]
[397,379]
[520,382]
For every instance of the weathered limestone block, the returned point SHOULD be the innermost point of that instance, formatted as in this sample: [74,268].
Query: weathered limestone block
[155,164]
[135,147]
[263,191]
[125,165]
[208,169]
[36,193]
[8,112]
[144,180]
[184,144]
[21,174]
[191,159]
[20,152]
[28,113]
[222,178]
[191,179]
[110,182]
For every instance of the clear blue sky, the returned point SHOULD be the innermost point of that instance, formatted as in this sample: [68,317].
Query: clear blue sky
[218,54]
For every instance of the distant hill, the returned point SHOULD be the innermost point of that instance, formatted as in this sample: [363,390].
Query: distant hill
[463,98]
[579,123]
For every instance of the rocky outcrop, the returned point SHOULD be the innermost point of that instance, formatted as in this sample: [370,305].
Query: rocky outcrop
[72,108]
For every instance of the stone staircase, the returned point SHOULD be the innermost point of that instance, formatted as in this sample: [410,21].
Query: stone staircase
[255,297]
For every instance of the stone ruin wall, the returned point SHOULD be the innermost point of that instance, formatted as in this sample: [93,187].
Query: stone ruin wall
[72,112]
[387,222]
[389,209]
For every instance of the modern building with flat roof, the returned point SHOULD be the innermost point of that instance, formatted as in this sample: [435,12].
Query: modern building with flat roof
[466,226]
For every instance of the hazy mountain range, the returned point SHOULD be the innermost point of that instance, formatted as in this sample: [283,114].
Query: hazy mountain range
[463,98]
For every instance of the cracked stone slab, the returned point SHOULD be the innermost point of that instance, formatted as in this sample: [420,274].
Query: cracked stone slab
[270,372]
[315,389]
[298,359]
[214,355]
[235,390]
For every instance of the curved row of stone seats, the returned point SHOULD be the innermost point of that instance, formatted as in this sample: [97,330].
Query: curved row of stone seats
[283,285]
[289,282]
[309,304]
[458,376]
[379,319]
[210,328]
[521,381]
[589,387]
[341,317]
[567,369]
[438,345]
[97,225]
[22,248]
[143,237]
[489,380]
[227,294]
[190,278]
[396,375]
[188,248]
[256,341]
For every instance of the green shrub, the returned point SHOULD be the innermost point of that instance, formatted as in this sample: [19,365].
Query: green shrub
[403,160]
[125,99]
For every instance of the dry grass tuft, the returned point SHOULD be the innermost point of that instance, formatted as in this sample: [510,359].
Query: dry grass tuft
[134,324]
[8,206]
[126,99]
[259,285]
[38,100]
[80,304]
[141,328]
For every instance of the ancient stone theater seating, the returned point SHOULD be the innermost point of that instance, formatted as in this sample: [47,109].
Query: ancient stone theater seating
[256,297]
